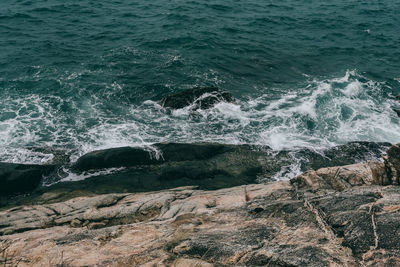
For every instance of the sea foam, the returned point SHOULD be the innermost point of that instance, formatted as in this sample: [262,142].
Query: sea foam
[317,114]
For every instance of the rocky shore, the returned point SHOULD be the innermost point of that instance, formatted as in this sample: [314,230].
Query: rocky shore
[204,204]
[333,216]
[208,166]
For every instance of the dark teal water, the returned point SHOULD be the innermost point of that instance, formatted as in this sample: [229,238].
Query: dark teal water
[84,75]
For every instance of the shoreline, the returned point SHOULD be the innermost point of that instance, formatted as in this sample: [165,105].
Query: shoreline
[209,166]
[340,216]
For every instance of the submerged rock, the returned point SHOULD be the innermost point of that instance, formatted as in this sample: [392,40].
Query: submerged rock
[199,97]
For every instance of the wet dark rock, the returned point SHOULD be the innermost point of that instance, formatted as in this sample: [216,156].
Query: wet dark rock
[21,178]
[199,97]
[194,151]
[397,111]
[175,152]
[350,153]
[161,153]
[114,158]
[208,166]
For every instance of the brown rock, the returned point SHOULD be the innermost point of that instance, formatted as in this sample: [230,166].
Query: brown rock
[329,217]
[343,177]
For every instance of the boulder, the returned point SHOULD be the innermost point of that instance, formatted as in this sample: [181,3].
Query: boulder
[199,97]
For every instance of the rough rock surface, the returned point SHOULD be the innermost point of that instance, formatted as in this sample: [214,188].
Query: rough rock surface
[198,98]
[337,216]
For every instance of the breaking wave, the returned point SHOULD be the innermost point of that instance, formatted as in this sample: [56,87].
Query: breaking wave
[317,114]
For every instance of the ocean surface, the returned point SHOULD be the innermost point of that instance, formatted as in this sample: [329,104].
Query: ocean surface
[82,75]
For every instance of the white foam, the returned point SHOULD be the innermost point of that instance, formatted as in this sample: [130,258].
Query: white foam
[318,114]
[352,88]
[74,177]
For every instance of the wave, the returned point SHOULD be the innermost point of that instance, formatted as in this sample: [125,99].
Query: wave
[317,114]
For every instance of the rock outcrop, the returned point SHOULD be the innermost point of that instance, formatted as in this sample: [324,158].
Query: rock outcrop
[169,165]
[336,216]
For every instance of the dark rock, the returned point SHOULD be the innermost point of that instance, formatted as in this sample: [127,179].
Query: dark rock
[208,166]
[131,157]
[397,111]
[200,97]
[195,151]
[112,158]
[219,246]
[350,153]
[392,162]
[174,152]
[291,210]
[291,256]
[21,178]
[350,217]
[387,228]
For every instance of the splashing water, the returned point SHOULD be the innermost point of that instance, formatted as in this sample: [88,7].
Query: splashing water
[320,114]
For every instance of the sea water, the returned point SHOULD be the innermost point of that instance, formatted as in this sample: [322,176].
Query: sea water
[82,75]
